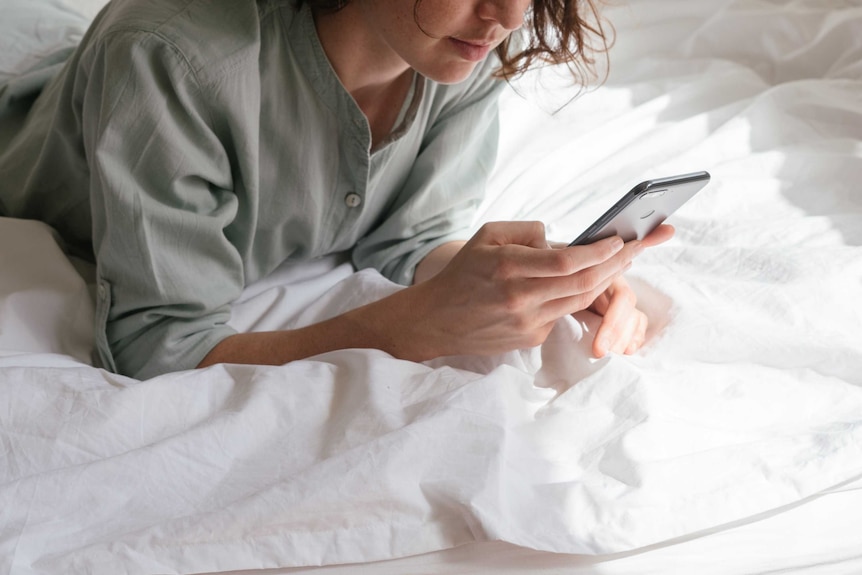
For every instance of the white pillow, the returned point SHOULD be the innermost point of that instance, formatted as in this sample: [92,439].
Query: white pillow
[32,31]
[88,8]
[45,305]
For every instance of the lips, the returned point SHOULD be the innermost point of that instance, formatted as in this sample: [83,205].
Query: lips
[472,50]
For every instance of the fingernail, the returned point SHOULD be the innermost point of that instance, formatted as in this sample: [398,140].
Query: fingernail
[617,244]
[639,248]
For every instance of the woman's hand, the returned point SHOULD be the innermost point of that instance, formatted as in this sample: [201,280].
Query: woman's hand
[623,328]
[504,289]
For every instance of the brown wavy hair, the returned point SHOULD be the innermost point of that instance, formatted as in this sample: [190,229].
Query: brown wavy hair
[570,33]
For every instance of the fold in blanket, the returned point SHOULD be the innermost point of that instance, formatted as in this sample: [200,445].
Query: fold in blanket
[746,400]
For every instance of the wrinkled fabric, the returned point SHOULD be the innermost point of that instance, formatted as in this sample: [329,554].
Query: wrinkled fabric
[744,406]
[191,148]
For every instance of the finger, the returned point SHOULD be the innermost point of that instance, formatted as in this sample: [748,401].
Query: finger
[640,334]
[570,303]
[627,334]
[518,261]
[589,279]
[658,236]
[560,295]
[618,324]
[570,294]
[600,305]
[595,253]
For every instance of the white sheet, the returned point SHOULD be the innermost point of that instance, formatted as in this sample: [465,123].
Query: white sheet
[816,537]
[45,305]
[748,398]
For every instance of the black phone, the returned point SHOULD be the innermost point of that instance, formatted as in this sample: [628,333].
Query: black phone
[644,208]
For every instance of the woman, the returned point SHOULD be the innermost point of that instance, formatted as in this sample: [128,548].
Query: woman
[190,147]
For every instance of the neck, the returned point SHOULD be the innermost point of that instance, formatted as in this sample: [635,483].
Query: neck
[376,78]
[365,65]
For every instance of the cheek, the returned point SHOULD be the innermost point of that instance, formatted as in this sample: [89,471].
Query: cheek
[436,17]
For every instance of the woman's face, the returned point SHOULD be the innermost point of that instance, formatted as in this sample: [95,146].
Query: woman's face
[443,39]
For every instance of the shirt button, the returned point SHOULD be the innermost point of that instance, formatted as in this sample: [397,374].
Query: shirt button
[103,291]
[352,200]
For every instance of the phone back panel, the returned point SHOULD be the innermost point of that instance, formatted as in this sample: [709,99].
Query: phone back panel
[644,208]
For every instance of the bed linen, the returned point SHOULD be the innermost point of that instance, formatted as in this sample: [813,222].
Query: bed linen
[735,435]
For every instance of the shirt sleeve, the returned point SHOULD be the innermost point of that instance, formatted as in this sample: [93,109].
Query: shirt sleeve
[446,183]
[161,199]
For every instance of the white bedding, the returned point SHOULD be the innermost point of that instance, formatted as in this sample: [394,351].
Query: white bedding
[744,410]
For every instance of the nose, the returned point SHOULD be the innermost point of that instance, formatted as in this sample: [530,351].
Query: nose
[508,13]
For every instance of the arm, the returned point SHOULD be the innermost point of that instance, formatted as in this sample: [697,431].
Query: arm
[379,325]
[435,261]
[162,196]
[502,290]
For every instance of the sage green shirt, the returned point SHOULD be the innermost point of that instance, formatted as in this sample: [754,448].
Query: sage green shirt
[191,146]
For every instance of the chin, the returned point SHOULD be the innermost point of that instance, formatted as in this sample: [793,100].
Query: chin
[451,74]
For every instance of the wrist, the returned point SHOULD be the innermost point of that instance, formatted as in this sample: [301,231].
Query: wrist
[396,324]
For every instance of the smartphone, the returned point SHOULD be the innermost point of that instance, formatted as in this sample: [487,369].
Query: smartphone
[644,208]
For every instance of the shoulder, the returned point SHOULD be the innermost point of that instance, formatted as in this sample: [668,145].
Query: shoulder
[213,37]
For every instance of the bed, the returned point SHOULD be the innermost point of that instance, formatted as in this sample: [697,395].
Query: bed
[731,444]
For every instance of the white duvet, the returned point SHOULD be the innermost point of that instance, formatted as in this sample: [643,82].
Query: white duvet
[747,398]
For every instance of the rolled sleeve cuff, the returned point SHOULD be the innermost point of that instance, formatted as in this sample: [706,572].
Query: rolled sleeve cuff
[169,345]
[403,269]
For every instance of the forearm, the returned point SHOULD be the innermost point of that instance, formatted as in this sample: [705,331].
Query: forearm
[270,348]
[389,325]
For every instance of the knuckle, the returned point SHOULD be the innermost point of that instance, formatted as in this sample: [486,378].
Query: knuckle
[504,267]
[515,307]
[587,280]
[513,299]
[581,302]
[509,261]
[627,296]
[614,333]
[537,228]
[595,293]
[486,230]
[610,251]
[562,263]
[523,325]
